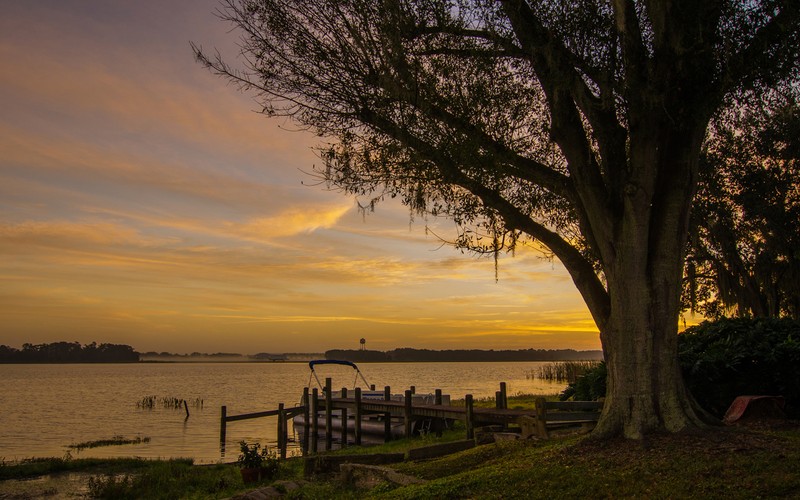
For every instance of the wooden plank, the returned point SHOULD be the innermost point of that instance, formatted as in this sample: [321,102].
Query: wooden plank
[247,416]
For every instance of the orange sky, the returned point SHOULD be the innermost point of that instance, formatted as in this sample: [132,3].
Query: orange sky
[143,202]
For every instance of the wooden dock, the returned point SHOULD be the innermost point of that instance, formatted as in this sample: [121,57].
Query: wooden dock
[319,412]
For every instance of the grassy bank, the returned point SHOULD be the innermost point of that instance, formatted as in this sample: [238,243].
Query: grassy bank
[748,462]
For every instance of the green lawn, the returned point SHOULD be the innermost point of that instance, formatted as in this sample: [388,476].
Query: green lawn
[752,462]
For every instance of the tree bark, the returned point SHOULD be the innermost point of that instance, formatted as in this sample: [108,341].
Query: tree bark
[645,389]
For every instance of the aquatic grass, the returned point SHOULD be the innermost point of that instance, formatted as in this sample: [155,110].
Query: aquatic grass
[168,402]
[114,441]
[563,372]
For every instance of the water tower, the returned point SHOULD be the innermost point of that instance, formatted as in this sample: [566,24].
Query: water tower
[363,343]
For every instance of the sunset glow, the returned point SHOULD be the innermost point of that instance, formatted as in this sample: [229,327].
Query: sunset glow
[144,202]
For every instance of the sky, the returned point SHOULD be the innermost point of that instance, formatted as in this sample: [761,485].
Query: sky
[144,201]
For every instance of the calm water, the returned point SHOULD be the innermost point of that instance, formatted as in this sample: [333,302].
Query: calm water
[44,408]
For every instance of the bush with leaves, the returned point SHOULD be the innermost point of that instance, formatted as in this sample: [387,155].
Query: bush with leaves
[588,387]
[742,356]
[724,359]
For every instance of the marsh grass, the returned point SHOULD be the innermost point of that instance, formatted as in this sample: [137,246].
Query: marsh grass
[562,372]
[114,441]
[168,402]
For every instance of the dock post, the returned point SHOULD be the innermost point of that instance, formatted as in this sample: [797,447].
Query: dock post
[504,393]
[372,387]
[328,415]
[469,416]
[498,400]
[223,421]
[357,421]
[306,420]
[413,389]
[407,413]
[344,419]
[541,418]
[282,430]
[437,400]
[387,417]
[314,420]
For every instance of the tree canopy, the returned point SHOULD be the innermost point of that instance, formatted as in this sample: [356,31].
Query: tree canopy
[744,252]
[576,124]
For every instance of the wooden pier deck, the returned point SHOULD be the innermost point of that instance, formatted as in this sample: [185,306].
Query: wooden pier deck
[319,410]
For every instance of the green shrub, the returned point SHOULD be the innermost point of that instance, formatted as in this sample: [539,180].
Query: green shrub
[588,387]
[724,359]
[735,357]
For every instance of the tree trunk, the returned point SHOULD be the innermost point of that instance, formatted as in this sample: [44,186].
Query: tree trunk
[645,389]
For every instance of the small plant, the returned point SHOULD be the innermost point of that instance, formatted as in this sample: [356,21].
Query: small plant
[253,458]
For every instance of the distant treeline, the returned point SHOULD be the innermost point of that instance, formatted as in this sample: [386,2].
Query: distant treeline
[409,354]
[69,352]
[217,356]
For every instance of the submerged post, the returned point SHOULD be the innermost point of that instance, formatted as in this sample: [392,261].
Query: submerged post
[470,417]
[407,413]
[314,420]
[328,415]
[223,421]
[357,421]
[306,420]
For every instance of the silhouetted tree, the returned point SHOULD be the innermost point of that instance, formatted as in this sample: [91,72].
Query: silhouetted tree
[577,124]
[69,352]
[744,255]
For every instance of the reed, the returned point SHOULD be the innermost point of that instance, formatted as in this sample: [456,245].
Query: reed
[168,402]
[114,441]
[562,372]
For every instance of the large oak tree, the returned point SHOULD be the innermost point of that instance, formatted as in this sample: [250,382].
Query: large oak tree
[577,124]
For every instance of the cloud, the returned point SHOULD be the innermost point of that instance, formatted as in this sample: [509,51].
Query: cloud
[292,221]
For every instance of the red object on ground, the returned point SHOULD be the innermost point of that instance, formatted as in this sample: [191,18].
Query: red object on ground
[755,406]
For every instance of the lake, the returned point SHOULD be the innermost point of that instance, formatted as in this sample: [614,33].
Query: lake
[45,408]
